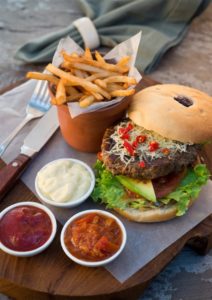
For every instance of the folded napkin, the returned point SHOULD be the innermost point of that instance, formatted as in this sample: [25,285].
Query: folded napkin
[163,25]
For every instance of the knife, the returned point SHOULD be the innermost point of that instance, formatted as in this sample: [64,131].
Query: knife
[34,141]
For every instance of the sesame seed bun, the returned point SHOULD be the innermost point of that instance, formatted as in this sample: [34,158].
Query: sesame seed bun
[174,111]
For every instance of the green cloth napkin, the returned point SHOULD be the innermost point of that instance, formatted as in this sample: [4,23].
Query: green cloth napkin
[163,24]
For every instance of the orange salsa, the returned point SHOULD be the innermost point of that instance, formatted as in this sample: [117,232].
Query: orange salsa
[93,237]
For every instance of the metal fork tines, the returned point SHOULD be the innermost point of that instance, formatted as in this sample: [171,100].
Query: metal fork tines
[37,106]
[40,97]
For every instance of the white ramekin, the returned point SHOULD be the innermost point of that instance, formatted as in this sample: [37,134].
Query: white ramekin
[95,263]
[39,249]
[71,203]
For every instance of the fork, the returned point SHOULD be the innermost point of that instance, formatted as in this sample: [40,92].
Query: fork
[37,106]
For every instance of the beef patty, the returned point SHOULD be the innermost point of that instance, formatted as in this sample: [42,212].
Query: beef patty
[153,168]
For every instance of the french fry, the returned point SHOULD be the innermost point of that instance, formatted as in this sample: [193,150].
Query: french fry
[101,83]
[85,74]
[60,93]
[126,85]
[87,53]
[99,57]
[127,79]
[43,76]
[71,90]
[86,101]
[104,93]
[53,101]
[73,79]
[87,79]
[97,96]
[86,67]
[74,97]
[66,82]
[73,94]
[104,66]
[74,54]
[114,86]
[80,73]
[122,93]
[102,74]
[65,65]
[123,61]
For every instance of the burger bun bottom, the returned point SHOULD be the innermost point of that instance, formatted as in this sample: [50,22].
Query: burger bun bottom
[150,215]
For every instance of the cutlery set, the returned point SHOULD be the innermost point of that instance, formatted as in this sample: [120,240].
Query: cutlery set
[38,106]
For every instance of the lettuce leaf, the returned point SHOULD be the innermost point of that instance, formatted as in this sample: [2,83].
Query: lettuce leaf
[108,190]
[189,188]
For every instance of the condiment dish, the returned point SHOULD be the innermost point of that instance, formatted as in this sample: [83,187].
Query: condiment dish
[89,263]
[41,248]
[71,202]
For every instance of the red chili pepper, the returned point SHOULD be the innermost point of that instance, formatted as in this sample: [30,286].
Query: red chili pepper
[129,148]
[141,138]
[124,130]
[134,144]
[165,151]
[129,127]
[125,136]
[142,164]
[153,146]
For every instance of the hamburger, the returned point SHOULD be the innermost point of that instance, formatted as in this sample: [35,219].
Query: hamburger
[150,168]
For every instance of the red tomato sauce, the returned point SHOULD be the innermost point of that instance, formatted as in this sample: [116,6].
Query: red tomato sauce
[25,228]
[93,237]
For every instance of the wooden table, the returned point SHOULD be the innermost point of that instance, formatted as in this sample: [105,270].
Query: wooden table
[179,65]
[59,276]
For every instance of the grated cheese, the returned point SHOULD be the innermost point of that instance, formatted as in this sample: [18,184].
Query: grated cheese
[142,151]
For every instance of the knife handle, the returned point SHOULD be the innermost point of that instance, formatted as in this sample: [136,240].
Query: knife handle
[11,172]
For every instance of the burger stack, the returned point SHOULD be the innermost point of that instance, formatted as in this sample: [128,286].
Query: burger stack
[150,167]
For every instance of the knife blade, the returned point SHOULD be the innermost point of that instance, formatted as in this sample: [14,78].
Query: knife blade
[41,133]
[34,141]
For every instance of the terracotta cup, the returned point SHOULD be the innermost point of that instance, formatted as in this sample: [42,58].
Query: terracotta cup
[85,131]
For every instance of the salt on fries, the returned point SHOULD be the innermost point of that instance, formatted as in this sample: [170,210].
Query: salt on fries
[87,79]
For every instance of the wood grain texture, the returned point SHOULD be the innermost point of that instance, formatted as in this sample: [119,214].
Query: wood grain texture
[189,275]
[10,173]
[61,277]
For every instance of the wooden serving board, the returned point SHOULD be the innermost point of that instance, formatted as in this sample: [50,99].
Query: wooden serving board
[51,275]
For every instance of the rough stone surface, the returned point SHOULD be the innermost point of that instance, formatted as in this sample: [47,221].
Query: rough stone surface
[190,63]
[189,276]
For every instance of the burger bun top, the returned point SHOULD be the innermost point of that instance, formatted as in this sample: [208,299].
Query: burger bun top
[176,112]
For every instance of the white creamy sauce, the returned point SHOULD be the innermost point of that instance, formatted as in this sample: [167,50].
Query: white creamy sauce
[64,181]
